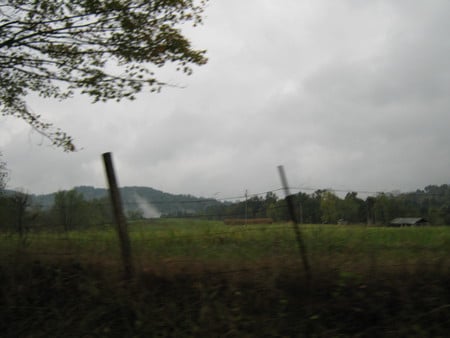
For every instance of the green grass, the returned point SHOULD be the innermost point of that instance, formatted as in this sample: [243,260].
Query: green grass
[171,246]
[203,279]
[210,242]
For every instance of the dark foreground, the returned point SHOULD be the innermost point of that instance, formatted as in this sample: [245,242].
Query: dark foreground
[70,299]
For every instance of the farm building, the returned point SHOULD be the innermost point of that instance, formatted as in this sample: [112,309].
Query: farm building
[408,221]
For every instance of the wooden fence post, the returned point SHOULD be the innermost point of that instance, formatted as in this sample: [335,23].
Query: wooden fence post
[298,235]
[119,216]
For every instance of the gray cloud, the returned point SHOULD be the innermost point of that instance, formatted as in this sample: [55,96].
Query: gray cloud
[349,95]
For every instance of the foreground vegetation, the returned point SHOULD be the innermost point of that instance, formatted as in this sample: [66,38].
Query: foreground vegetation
[201,278]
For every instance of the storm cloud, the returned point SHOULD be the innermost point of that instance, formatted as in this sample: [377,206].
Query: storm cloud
[347,95]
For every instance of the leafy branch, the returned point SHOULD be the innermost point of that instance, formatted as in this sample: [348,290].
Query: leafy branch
[104,49]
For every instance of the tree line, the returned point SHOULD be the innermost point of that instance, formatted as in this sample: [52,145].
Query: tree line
[325,206]
[70,209]
[87,207]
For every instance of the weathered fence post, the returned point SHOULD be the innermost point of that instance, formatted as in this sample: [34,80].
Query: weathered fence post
[298,235]
[119,216]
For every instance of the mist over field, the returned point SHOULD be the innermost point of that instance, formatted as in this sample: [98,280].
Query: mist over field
[148,210]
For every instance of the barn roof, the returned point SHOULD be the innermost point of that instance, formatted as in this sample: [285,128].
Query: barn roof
[408,220]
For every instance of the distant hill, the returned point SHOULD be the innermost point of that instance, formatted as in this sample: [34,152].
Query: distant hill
[145,199]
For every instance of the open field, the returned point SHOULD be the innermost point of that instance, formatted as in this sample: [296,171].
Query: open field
[202,278]
[167,241]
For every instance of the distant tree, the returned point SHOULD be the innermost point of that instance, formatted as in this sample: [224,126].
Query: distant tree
[387,207]
[270,198]
[98,212]
[13,208]
[104,49]
[308,208]
[278,211]
[69,209]
[20,202]
[255,207]
[272,206]
[329,205]
[353,208]
[370,203]
[444,213]
[3,174]
[7,217]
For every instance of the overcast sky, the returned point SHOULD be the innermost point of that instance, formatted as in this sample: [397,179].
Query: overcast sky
[346,94]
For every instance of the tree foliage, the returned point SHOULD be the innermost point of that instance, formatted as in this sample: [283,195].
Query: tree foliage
[324,206]
[104,49]
[329,205]
[13,212]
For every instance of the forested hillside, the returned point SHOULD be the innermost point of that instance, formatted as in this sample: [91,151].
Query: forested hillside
[84,207]
[135,198]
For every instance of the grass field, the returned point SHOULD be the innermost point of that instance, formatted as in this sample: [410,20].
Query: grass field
[202,278]
[208,242]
